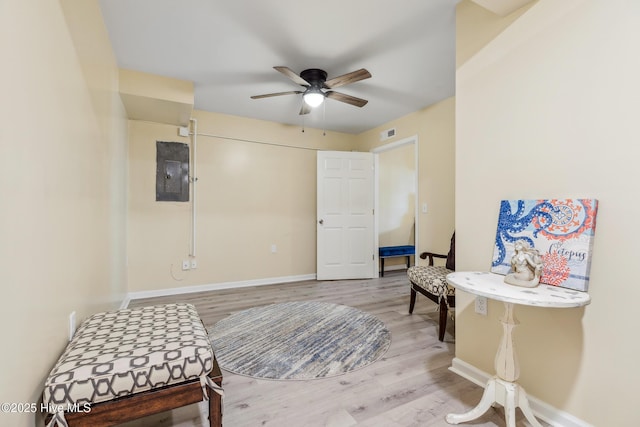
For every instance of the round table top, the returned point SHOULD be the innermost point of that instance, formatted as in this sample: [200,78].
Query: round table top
[492,286]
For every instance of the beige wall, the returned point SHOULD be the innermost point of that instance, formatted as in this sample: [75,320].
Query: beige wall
[435,128]
[477,26]
[549,109]
[396,200]
[396,196]
[256,187]
[149,97]
[62,174]
[251,195]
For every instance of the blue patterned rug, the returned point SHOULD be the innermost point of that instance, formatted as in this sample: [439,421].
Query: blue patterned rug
[298,341]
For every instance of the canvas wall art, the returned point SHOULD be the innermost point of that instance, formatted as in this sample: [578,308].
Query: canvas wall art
[561,229]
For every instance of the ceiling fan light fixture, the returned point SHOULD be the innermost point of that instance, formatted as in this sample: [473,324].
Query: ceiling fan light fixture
[313,97]
[314,80]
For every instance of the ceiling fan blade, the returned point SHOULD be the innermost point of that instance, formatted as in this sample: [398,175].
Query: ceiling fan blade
[358,102]
[304,109]
[268,95]
[345,79]
[293,76]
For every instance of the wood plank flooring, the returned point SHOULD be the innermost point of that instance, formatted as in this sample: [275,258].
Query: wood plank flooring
[410,386]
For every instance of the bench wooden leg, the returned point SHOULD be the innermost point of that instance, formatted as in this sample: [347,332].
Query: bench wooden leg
[444,311]
[412,301]
[215,407]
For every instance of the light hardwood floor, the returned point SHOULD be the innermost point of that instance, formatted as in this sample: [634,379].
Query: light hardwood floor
[410,386]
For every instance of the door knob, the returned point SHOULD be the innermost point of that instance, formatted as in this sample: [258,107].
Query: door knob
[321,221]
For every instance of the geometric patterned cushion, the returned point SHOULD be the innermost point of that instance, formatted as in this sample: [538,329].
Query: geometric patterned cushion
[119,353]
[432,279]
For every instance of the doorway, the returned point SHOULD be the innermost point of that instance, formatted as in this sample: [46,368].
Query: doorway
[396,197]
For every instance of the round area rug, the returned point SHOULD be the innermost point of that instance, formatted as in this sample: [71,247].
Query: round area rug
[298,341]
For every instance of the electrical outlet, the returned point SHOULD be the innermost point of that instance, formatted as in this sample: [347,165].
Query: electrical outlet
[274,248]
[194,263]
[186,264]
[72,325]
[481,305]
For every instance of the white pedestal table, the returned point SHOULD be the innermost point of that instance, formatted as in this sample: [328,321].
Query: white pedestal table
[503,388]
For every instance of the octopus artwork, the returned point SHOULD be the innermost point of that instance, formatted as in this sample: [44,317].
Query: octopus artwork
[561,230]
[512,224]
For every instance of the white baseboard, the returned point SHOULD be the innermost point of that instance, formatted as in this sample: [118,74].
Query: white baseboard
[541,409]
[213,287]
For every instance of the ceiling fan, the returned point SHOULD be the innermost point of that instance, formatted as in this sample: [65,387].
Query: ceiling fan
[314,80]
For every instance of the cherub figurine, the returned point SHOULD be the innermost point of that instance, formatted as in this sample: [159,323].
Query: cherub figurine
[526,266]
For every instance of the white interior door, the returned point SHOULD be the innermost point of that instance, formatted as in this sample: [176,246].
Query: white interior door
[345,222]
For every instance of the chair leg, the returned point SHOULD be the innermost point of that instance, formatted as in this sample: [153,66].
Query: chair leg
[443,319]
[412,302]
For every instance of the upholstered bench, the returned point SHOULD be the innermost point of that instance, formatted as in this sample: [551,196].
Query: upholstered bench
[395,251]
[126,364]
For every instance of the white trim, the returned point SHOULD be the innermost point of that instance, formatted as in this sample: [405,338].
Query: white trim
[469,372]
[125,302]
[541,409]
[376,210]
[213,287]
[395,144]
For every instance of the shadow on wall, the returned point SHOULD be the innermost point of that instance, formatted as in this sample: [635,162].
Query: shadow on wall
[404,232]
[540,364]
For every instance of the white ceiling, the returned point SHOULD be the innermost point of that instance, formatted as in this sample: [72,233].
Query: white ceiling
[228,49]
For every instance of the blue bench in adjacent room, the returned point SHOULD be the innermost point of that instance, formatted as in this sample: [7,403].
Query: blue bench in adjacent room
[395,251]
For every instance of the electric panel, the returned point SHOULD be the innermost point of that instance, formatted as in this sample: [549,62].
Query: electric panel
[172,172]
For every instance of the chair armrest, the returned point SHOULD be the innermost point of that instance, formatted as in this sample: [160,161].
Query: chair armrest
[431,256]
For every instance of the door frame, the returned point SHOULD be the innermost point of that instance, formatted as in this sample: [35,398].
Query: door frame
[376,182]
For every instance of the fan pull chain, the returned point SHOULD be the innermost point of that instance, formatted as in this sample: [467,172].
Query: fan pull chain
[324,118]
[302,105]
